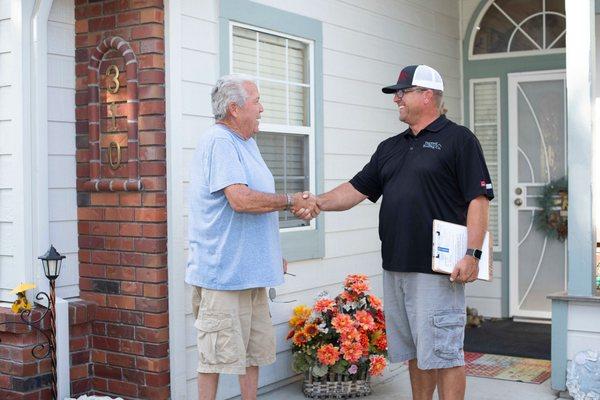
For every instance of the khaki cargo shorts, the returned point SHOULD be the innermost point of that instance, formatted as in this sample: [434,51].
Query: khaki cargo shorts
[234,330]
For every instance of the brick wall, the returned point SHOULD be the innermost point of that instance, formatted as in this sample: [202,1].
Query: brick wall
[123,235]
[22,376]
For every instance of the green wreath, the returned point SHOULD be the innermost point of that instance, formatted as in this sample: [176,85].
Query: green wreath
[552,219]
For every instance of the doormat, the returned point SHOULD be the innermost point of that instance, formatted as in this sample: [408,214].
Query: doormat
[519,369]
[510,338]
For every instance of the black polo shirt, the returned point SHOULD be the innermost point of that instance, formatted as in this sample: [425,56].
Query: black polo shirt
[433,175]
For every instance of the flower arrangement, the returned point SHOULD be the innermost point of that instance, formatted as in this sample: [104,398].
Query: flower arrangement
[344,335]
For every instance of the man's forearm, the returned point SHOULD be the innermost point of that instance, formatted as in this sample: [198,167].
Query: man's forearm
[477,222]
[243,199]
[343,197]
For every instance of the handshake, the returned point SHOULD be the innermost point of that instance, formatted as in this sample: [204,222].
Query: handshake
[305,205]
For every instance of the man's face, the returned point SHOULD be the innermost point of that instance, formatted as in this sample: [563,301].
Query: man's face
[248,116]
[410,103]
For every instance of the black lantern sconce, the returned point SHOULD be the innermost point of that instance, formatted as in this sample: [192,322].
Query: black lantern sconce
[51,261]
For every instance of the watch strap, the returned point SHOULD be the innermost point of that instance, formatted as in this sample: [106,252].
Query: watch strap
[474,253]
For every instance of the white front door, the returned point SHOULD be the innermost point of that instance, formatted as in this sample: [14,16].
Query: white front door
[537,155]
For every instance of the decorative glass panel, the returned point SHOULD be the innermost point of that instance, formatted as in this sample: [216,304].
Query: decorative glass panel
[515,25]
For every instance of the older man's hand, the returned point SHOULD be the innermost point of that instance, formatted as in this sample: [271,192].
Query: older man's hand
[305,205]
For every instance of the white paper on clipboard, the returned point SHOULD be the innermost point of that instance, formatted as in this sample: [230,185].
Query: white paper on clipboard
[450,245]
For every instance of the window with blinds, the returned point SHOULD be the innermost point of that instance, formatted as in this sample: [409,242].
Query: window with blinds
[281,67]
[485,122]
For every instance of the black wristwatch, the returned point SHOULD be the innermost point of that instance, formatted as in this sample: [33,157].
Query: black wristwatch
[474,253]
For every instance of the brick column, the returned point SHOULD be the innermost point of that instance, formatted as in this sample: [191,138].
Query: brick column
[123,235]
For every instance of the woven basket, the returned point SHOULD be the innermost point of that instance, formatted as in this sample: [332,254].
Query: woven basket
[336,386]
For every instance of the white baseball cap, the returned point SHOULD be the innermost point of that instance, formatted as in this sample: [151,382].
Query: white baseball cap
[417,75]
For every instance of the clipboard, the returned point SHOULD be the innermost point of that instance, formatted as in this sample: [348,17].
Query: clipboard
[449,246]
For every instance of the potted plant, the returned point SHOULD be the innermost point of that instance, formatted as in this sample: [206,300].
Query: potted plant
[340,342]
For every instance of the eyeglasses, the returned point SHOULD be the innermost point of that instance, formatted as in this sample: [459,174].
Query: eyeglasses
[401,92]
[273,293]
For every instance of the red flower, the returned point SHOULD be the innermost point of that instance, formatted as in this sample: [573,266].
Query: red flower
[381,342]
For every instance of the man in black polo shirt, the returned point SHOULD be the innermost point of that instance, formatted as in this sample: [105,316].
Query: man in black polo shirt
[433,170]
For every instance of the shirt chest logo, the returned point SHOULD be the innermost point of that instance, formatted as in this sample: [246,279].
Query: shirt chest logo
[432,145]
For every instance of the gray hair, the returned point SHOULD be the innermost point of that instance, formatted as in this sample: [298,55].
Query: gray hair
[228,89]
[438,98]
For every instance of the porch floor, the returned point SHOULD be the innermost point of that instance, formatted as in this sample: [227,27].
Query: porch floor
[395,384]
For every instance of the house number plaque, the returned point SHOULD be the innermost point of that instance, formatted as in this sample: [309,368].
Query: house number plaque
[113,113]
[114,149]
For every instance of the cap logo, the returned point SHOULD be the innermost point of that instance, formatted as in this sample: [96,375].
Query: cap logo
[403,76]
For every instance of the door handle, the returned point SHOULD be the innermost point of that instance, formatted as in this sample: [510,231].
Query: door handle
[518,202]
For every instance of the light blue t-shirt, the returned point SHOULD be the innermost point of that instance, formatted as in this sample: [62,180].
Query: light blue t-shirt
[230,250]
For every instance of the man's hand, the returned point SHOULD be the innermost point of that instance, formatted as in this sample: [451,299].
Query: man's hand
[305,205]
[466,270]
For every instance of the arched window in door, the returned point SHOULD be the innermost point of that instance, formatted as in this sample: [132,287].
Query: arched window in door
[507,28]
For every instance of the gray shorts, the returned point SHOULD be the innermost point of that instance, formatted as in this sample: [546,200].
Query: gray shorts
[425,319]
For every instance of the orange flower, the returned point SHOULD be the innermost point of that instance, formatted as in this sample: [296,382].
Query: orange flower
[290,334]
[311,330]
[377,365]
[297,321]
[342,323]
[347,296]
[323,305]
[328,354]
[351,335]
[360,287]
[365,320]
[300,338]
[352,351]
[355,278]
[375,302]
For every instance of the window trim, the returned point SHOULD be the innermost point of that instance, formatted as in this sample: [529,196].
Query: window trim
[497,185]
[297,243]
[505,54]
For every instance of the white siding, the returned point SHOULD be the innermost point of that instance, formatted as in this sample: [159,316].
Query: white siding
[365,43]
[8,278]
[584,330]
[62,196]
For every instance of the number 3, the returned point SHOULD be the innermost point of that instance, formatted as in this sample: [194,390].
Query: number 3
[115,79]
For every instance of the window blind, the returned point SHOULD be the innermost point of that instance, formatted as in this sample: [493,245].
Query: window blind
[486,128]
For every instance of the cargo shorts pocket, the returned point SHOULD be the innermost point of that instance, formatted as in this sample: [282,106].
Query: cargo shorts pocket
[217,338]
[448,333]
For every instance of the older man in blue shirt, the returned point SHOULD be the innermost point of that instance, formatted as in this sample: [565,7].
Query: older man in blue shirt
[235,251]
